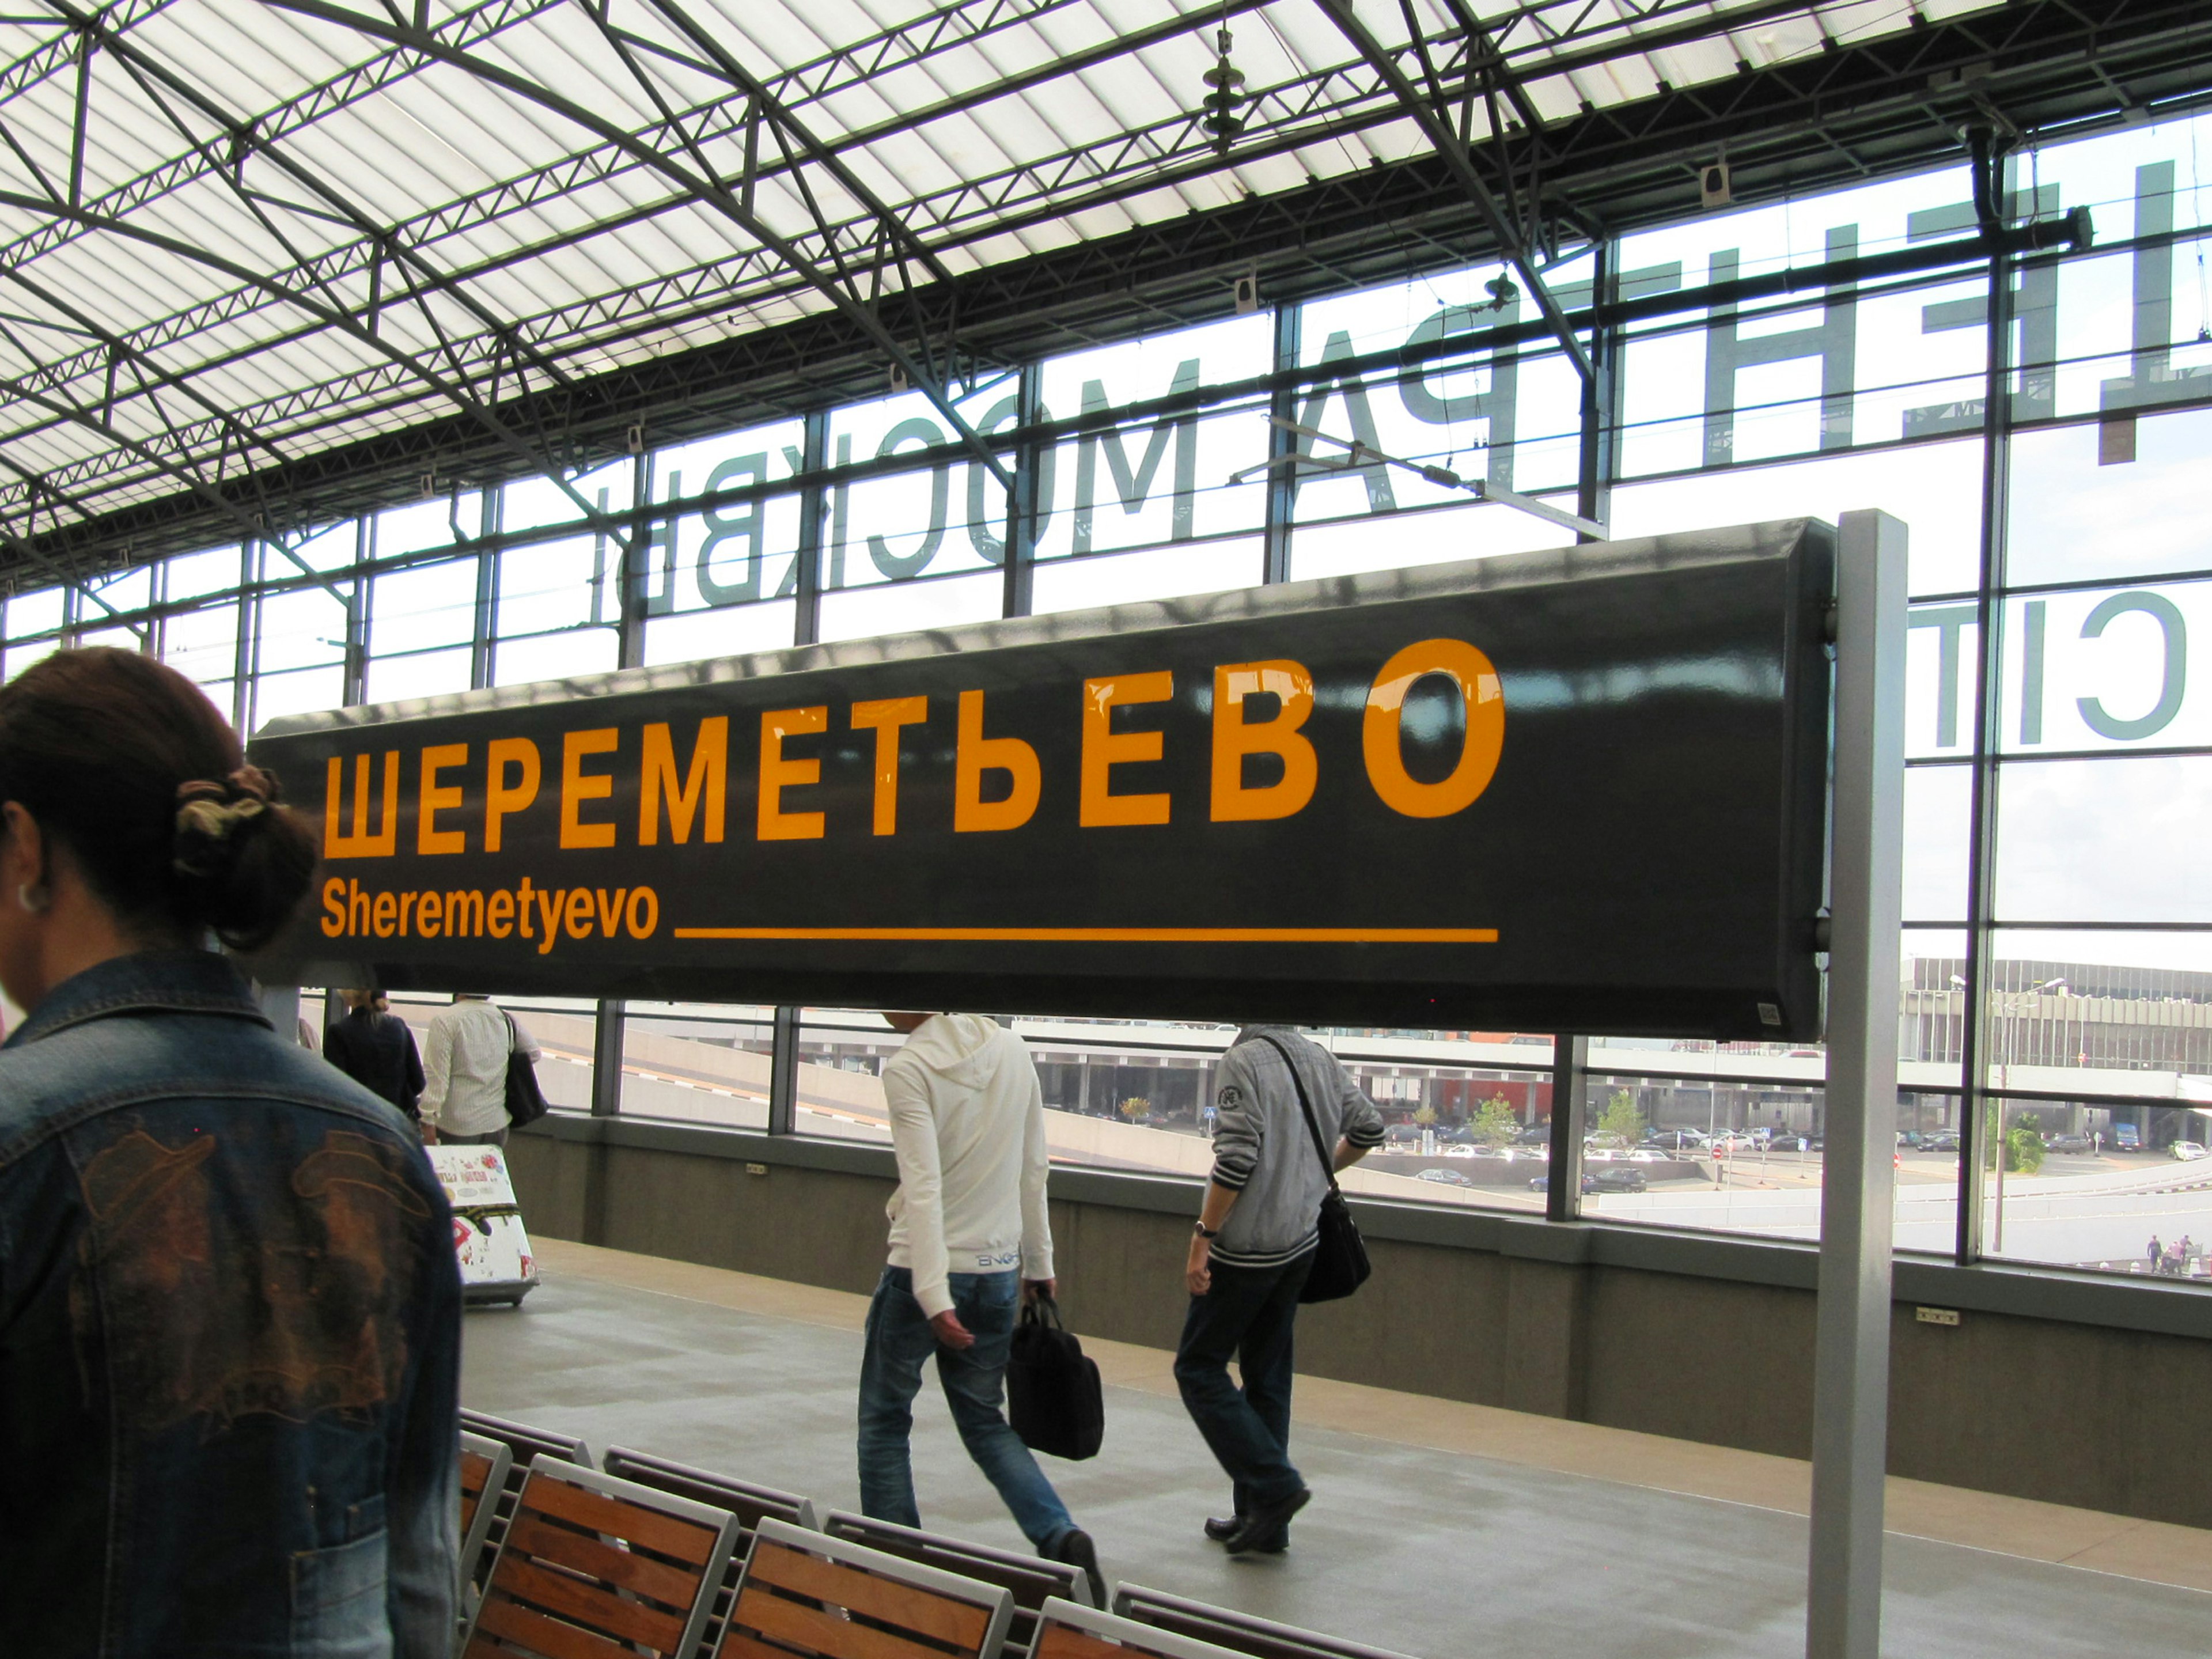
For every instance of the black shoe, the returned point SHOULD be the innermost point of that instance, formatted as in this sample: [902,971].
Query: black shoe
[1222,1529]
[1075,1549]
[1268,1524]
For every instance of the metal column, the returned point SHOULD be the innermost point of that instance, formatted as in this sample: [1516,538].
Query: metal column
[1025,501]
[353,690]
[1601,411]
[483,634]
[783,1073]
[607,1058]
[246,659]
[280,1003]
[813,515]
[1975,1099]
[635,552]
[1563,1189]
[1282,477]
[1851,1389]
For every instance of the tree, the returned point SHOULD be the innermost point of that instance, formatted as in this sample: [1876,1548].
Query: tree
[1494,1124]
[2022,1143]
[1622,1117]
[1134,1107]
[1424,1115]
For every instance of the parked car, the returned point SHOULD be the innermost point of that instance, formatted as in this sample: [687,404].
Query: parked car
[1790,1143]
[2189,1151]
[1447,1178]
[2071,1144]
[1940,1140]
[1628,1180]
[1401,1134]
[1536,1134]
[1674,1140]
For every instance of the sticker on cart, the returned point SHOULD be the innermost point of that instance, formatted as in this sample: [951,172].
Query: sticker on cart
[473,1176]
[494,1250]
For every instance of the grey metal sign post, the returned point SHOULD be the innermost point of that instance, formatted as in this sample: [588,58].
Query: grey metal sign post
[1850,1393]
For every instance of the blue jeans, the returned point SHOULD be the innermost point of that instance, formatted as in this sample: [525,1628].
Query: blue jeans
[899,1339]
[1249,1315]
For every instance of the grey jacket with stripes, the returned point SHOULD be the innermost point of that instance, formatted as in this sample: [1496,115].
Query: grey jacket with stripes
[1262,1152]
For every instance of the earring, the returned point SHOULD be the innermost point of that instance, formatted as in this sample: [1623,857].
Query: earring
[34,897]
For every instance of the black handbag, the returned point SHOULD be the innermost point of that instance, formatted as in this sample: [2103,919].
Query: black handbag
[1340,1263]
[1053,1397]
[526,1101]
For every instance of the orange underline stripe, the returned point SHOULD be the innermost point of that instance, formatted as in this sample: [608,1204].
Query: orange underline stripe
[1122,935]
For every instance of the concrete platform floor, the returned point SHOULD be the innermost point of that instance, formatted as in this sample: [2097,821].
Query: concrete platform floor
[1438,1529]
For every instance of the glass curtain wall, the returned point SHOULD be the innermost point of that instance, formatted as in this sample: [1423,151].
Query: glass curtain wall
[2055,992]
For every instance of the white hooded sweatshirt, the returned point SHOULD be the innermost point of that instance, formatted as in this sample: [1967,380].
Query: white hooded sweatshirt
[968,1126]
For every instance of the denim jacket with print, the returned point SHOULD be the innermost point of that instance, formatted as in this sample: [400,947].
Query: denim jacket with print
[230,1338]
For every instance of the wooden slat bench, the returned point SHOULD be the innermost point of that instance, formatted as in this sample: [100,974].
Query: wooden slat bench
[592,1567]
[1066,1630]
[1029,1579]
[1256,1638]
[523,1443]
[752,1504]
[818,1597]
[485,1464]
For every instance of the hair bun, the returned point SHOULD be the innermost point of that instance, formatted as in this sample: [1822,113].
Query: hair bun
[248,855]
[211,814]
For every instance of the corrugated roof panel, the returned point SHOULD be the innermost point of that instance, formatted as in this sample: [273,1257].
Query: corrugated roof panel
[305,152]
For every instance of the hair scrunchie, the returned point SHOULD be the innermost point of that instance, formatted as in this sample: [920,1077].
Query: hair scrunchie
[209,812]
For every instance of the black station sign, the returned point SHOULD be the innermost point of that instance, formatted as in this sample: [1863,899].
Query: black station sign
[1581,790]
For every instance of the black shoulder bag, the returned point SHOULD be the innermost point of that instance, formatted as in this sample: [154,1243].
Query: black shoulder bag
[526,1101]
[1053,1400]
[1340,1263]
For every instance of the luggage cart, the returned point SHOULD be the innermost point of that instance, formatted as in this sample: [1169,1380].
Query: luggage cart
[489,1237]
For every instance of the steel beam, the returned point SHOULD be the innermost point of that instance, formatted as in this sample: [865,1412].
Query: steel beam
[1454,153]
[708,192]
[1851,1358]
[332,317]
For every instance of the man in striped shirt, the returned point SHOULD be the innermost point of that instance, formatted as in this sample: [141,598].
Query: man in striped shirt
[1249,1259]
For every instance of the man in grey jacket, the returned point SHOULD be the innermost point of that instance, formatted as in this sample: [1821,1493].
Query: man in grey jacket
[1249,1259]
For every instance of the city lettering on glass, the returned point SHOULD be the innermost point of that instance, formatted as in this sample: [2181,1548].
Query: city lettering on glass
[1132,466]
[1582,789]
[2104,714]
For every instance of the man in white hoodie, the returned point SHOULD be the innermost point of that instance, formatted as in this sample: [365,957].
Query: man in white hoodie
[969,1243]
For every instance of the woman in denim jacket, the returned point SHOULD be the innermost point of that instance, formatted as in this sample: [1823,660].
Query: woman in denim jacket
[229,1311]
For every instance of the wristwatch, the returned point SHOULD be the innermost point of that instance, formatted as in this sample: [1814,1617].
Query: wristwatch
[1205,1232]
